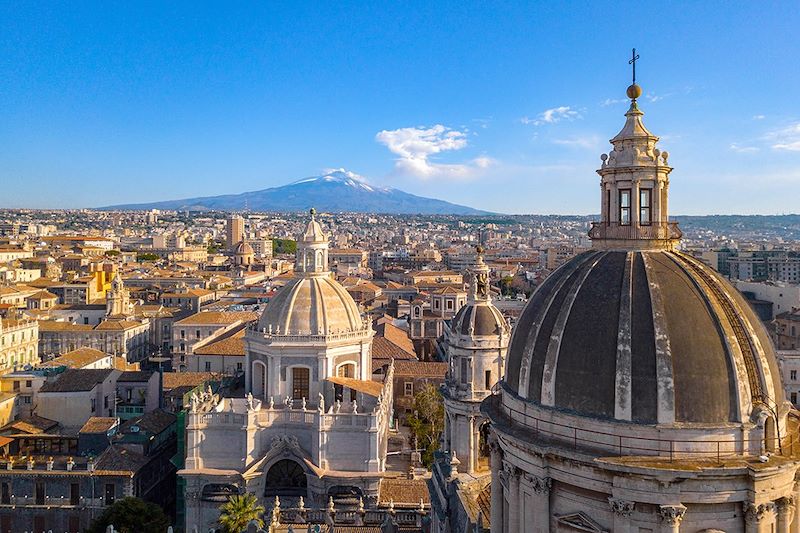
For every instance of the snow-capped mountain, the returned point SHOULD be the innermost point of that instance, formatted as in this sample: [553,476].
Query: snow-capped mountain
[334,192]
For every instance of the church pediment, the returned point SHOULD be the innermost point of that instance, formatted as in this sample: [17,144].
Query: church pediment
[579,522]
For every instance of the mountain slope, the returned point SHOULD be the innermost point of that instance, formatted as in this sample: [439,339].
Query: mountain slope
[336,191]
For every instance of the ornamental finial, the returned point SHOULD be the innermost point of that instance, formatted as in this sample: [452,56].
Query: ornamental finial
[634,91]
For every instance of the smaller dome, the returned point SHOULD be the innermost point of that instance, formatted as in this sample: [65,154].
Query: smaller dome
[244,248]
[479,319]
[311,306]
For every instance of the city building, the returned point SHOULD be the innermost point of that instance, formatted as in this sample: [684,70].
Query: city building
[641,392]
[314,424]
[19,343]
[234,230]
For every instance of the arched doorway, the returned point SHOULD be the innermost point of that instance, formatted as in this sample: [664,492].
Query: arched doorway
[285,478]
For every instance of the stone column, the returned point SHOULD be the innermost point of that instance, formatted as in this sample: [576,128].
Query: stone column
[796,497]
[496,459]
[540,521]
[622,509]
[671,517]
[785,513]
[473,458]
[635,221]
[756,516]
[513,499]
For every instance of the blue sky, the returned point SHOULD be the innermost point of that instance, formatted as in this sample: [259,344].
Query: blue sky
[501,106]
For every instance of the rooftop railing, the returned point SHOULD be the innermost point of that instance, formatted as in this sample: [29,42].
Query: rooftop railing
[624,445]
[654,231]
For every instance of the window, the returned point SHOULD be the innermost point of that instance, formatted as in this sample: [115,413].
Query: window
[105,402]
[436,304]
[793,398]
[449,305]
[28,383]
[5,494]
[487,379]
[300,378]
[110,493]
[74,524]
[645,204]
[94,404]
[208,366]
[793,375]
[239,367]
[16,385]
[74,494]
[408,388]
[464,371]
[197,333]
[40,493]
[26,400]
[183,334]
[625,207]
[346,371]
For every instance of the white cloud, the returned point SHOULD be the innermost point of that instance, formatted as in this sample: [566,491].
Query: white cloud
[612,101]
[787,138]
[588,142]
[416,146]
[553,115]
[759,117]
[740,149]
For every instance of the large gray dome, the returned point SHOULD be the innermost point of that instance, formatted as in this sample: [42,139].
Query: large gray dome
[649,337]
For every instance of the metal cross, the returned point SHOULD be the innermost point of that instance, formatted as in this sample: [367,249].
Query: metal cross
[634,57]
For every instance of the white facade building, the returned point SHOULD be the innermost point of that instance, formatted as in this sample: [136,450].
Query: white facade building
[313,423]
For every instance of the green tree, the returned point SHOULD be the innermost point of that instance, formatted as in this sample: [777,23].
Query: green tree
[284,246]
[427,420]
[131,515]
[147,257]
[240,510]
[506,285]
[112,253]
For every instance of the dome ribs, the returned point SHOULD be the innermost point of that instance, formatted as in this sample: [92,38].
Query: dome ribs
[519,369]
[530,381]
[587,356]
[622,386]
[665,378]
[644,384]
[557,332]
[733,315]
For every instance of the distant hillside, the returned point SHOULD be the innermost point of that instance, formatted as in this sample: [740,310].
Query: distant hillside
[334,192]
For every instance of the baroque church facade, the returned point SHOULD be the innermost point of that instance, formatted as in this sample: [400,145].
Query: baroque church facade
[313,428]
[641,392]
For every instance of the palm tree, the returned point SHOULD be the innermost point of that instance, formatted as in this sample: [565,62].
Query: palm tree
[239,511]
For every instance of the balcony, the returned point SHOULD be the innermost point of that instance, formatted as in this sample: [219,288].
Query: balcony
[635,231]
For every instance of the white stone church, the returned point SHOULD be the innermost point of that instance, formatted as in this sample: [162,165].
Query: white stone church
[313,425]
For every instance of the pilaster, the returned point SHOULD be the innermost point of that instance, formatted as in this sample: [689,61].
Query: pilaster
[671,517]
[496,459]
[622,509]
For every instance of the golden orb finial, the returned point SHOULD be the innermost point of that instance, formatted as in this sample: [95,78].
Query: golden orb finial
[312,211]
[634,92]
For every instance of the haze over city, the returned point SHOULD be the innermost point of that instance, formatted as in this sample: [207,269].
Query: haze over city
[499,106]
